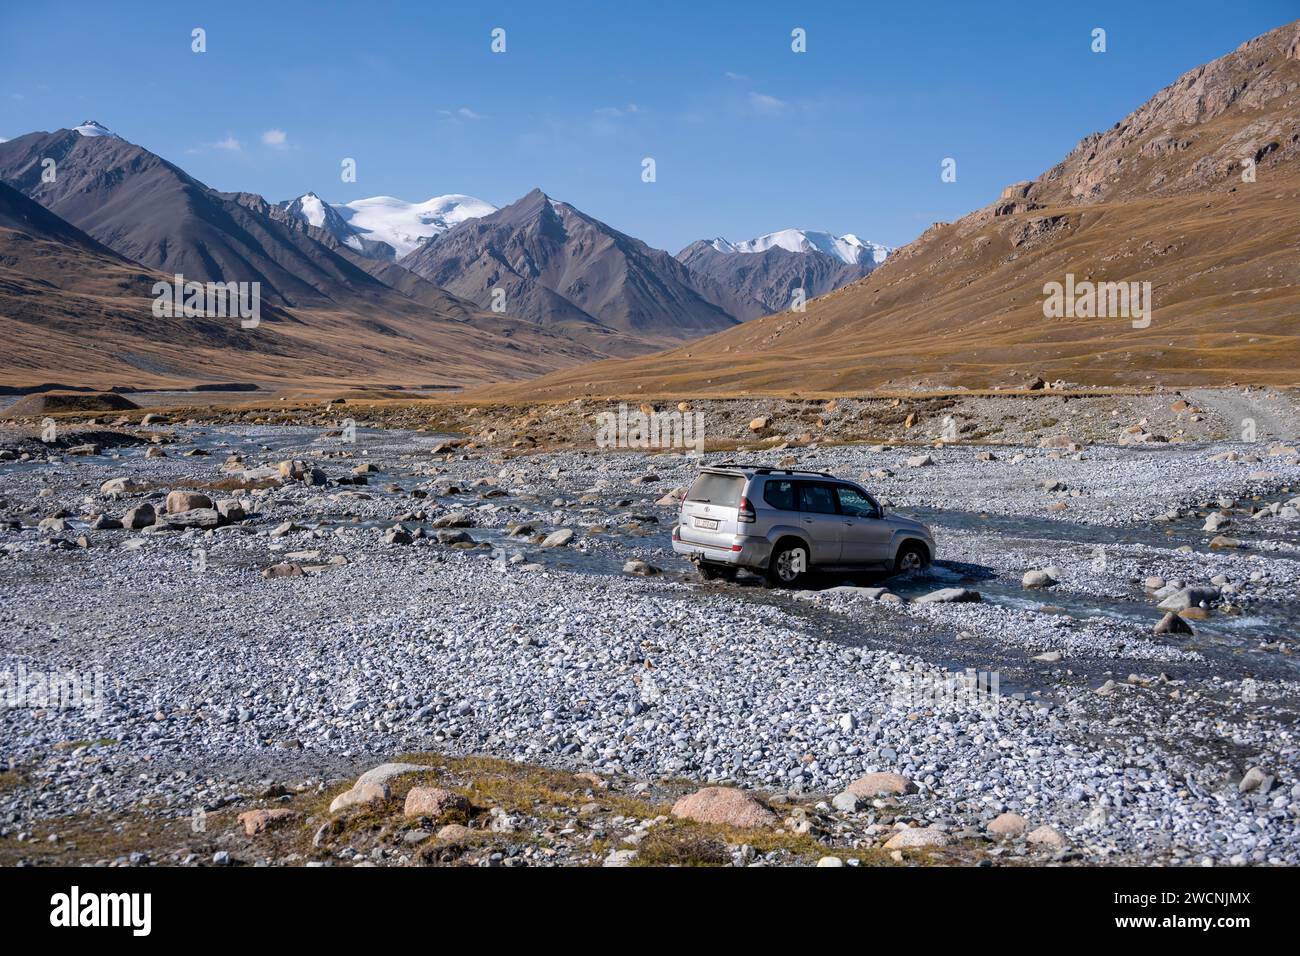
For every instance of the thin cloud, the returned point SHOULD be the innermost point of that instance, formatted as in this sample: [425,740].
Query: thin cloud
[766,104]
[616,111]
[735,76]
[227,145]
[275,138]
[463,112]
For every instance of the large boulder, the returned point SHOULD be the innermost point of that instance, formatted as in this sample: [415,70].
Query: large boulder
[1047,836]
[434,802]
[948,596]
[853,590]
[1216,521]
[141,516]
[123,486]
[293,470]
[298,470]
[397,535]
[916,838]
[1008,825]
[880,785]
[1037,579]
[454,519]
[455,833]
[726,806]
[558,539]
[1060,441]
[372,786]
[846,802]
[259,821]
[194,518]
[1256,779]
[178,501]
[231,510]
[285,569]
[261,473]
[1188,597]
[1172,623]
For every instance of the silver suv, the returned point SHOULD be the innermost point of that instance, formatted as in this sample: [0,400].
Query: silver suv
[786,523]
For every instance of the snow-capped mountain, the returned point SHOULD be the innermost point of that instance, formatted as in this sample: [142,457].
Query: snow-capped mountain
[91,128]
[311,210]
[405,225]
[314,211]
[849,249]
[383,227]
[149,210]
[558,266]
[761,275]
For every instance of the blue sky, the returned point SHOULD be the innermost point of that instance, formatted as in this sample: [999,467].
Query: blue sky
[747,136]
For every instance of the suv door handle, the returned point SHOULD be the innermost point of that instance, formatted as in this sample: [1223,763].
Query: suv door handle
[807,520]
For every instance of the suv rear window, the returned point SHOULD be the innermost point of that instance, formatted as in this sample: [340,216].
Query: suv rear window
[780,495]
[715,489]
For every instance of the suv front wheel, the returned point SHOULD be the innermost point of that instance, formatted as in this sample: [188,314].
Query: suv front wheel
[789,564]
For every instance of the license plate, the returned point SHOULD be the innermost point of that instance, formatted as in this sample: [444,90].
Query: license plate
[709,524]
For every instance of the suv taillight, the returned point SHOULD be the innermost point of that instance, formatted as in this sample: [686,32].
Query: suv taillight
[745,511]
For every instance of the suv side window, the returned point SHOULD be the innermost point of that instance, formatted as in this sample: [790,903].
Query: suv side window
[779,494]
[817,498]
[855,504]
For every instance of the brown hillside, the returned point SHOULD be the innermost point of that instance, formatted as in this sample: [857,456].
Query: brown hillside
[72,310]
[1158,198]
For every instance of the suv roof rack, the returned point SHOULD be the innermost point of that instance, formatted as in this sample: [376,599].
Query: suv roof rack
[772,470]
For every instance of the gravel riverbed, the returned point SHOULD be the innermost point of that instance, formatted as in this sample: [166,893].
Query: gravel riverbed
[213,677]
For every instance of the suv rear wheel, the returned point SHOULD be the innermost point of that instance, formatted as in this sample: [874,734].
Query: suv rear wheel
[789,564]
[912,556]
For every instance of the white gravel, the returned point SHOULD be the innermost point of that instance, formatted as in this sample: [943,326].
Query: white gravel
[218,676]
